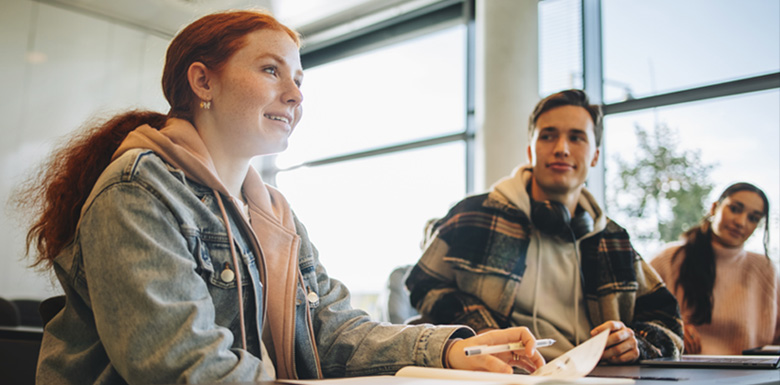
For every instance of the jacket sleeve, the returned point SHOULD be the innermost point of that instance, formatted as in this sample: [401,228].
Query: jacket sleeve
[434,292]
[350,344]
[657,321]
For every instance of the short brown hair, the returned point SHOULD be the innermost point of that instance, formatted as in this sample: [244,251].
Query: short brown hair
[572,97]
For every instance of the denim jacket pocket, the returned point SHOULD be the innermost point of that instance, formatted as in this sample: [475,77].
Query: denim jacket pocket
[216,268]
[215,263]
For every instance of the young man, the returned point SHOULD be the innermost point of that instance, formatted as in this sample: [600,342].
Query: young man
[516,257]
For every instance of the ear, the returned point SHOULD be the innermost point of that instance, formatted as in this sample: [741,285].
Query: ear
[530,157]
[595,160]
[199,78]
[713,208]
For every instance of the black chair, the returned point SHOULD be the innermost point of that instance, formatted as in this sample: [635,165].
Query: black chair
[19,348]
[9,313]
[28,312]
[50,307]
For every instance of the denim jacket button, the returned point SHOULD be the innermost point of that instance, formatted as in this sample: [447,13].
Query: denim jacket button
[227,275]
[312,297]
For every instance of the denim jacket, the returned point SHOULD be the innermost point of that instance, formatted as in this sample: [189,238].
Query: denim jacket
[147,300]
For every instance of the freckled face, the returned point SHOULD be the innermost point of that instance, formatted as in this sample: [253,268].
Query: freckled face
[257,97]
[562,149]
[736,217]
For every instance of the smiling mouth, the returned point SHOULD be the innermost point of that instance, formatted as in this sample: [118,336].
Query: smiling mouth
[278,118]
[560,165]
[735,233]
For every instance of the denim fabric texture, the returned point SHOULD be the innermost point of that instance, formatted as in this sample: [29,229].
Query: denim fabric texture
[147,301]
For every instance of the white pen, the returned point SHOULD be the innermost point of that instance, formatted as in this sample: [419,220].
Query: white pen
[491,349]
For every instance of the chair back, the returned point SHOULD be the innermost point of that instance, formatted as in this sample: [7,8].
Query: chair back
[50,307]
[19,348]
[9,313]
[28,312]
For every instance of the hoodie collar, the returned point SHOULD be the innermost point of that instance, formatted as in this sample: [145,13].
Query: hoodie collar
[513,188]
[180,145]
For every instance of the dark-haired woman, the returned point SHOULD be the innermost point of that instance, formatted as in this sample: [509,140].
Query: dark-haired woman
[180,265]
[729,297]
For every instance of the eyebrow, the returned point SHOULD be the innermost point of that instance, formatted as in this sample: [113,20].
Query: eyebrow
[272,56]
[276,57]
[556,129]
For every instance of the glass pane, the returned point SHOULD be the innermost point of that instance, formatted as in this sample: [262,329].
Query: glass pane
[738,136]
[560,45]
[367,216]
[411,90]
[659,46]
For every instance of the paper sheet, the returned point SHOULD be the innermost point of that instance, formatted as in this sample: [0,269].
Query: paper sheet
[577,362]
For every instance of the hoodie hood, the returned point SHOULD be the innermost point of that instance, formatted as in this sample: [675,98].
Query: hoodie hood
[180,145]
[514,189]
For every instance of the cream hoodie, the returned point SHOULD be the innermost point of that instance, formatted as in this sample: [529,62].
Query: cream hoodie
[557,303]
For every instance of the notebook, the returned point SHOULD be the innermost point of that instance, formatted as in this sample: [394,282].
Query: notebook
[723,362]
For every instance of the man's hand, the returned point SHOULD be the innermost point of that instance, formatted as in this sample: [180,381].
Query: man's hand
[527,358]
[691,339]
[622,346]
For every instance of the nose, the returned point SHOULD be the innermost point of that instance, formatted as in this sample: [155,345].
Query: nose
[562,147]
[292,93]
[741,220]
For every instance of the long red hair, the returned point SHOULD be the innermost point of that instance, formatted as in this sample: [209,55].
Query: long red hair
[54,196]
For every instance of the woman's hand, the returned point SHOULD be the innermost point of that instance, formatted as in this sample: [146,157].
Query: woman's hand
[527,358]
[691,339]
[622,346]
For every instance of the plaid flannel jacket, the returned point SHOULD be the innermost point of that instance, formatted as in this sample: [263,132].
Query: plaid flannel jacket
[486,235]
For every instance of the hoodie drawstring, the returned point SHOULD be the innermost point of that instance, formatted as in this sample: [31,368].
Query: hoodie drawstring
[235,266]
[538,279]
[576,297]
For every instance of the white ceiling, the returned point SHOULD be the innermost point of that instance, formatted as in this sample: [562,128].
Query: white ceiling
[168,16]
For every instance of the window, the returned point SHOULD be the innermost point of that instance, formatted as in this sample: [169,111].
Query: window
[560,45]
[366,216]
[405,92]
[655,47]
[706,72]
[738,136]
[399,113]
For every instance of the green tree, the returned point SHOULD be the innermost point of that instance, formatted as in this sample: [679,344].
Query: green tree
[663,183]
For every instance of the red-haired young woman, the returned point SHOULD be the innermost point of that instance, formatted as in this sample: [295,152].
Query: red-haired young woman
[180,265]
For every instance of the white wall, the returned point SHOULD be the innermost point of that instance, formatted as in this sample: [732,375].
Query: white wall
[59,68]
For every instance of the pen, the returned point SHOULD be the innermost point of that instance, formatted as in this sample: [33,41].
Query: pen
[485,349]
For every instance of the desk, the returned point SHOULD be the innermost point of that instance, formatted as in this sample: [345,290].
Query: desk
[691,376]
[686,376]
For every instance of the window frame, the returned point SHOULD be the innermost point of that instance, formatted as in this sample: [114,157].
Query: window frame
[425,20]
[593,81]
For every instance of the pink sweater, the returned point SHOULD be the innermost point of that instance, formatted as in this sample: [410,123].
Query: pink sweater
[746,299]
